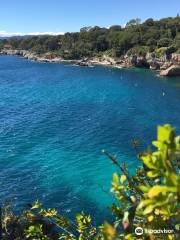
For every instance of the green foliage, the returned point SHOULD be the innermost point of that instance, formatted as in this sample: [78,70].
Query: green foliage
[85,228]
[133,22]
[91,41]
[148,199]
[139,51]
[155,206]
[164,42]
[35,233]
[160,52]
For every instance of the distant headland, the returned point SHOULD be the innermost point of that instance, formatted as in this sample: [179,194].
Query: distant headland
[151,44]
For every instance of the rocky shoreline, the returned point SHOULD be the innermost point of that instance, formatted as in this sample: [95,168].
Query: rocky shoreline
[165,67]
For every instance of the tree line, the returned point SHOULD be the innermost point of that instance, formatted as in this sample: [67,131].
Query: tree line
[135,38]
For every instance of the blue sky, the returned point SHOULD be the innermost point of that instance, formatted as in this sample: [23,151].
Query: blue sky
[30,16]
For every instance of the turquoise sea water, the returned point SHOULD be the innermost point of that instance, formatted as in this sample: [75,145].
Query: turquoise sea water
[56,118]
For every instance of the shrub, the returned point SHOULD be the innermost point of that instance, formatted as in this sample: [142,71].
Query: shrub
[139,51]
[164,42]
[160,52]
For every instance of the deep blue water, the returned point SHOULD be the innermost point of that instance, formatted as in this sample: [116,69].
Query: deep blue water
[56,118]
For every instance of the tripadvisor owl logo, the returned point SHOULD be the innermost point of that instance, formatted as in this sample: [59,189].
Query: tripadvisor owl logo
[138,231]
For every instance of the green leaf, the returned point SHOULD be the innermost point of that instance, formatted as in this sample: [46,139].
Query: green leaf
[144,188]
[165,133]
[156,190]
[36,205]
[150,218]
[148,209]
[123,178]
[115,179]
[152,174]
[157,144]
[148,161]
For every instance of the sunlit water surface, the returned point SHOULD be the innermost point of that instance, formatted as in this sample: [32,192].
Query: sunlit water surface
[56,118]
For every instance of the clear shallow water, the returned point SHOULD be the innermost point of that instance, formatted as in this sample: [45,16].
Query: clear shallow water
[55,119]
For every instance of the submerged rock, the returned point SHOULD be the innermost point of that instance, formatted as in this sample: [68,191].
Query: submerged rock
[173,70]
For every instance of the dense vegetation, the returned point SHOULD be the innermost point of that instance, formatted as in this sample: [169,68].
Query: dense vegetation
[135,38]
[149,199]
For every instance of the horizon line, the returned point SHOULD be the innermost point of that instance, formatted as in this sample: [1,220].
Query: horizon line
[21,34]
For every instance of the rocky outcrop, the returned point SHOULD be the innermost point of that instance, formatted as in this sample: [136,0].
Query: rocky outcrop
[108,60]
[172,71]
[141,62]
[167,67]
[22,53]
[135,61]
[126,61]
[31,56]
[104,60]
[175,58]
[154,65]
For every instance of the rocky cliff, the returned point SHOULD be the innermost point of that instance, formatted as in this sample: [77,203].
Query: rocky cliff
[167,66]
